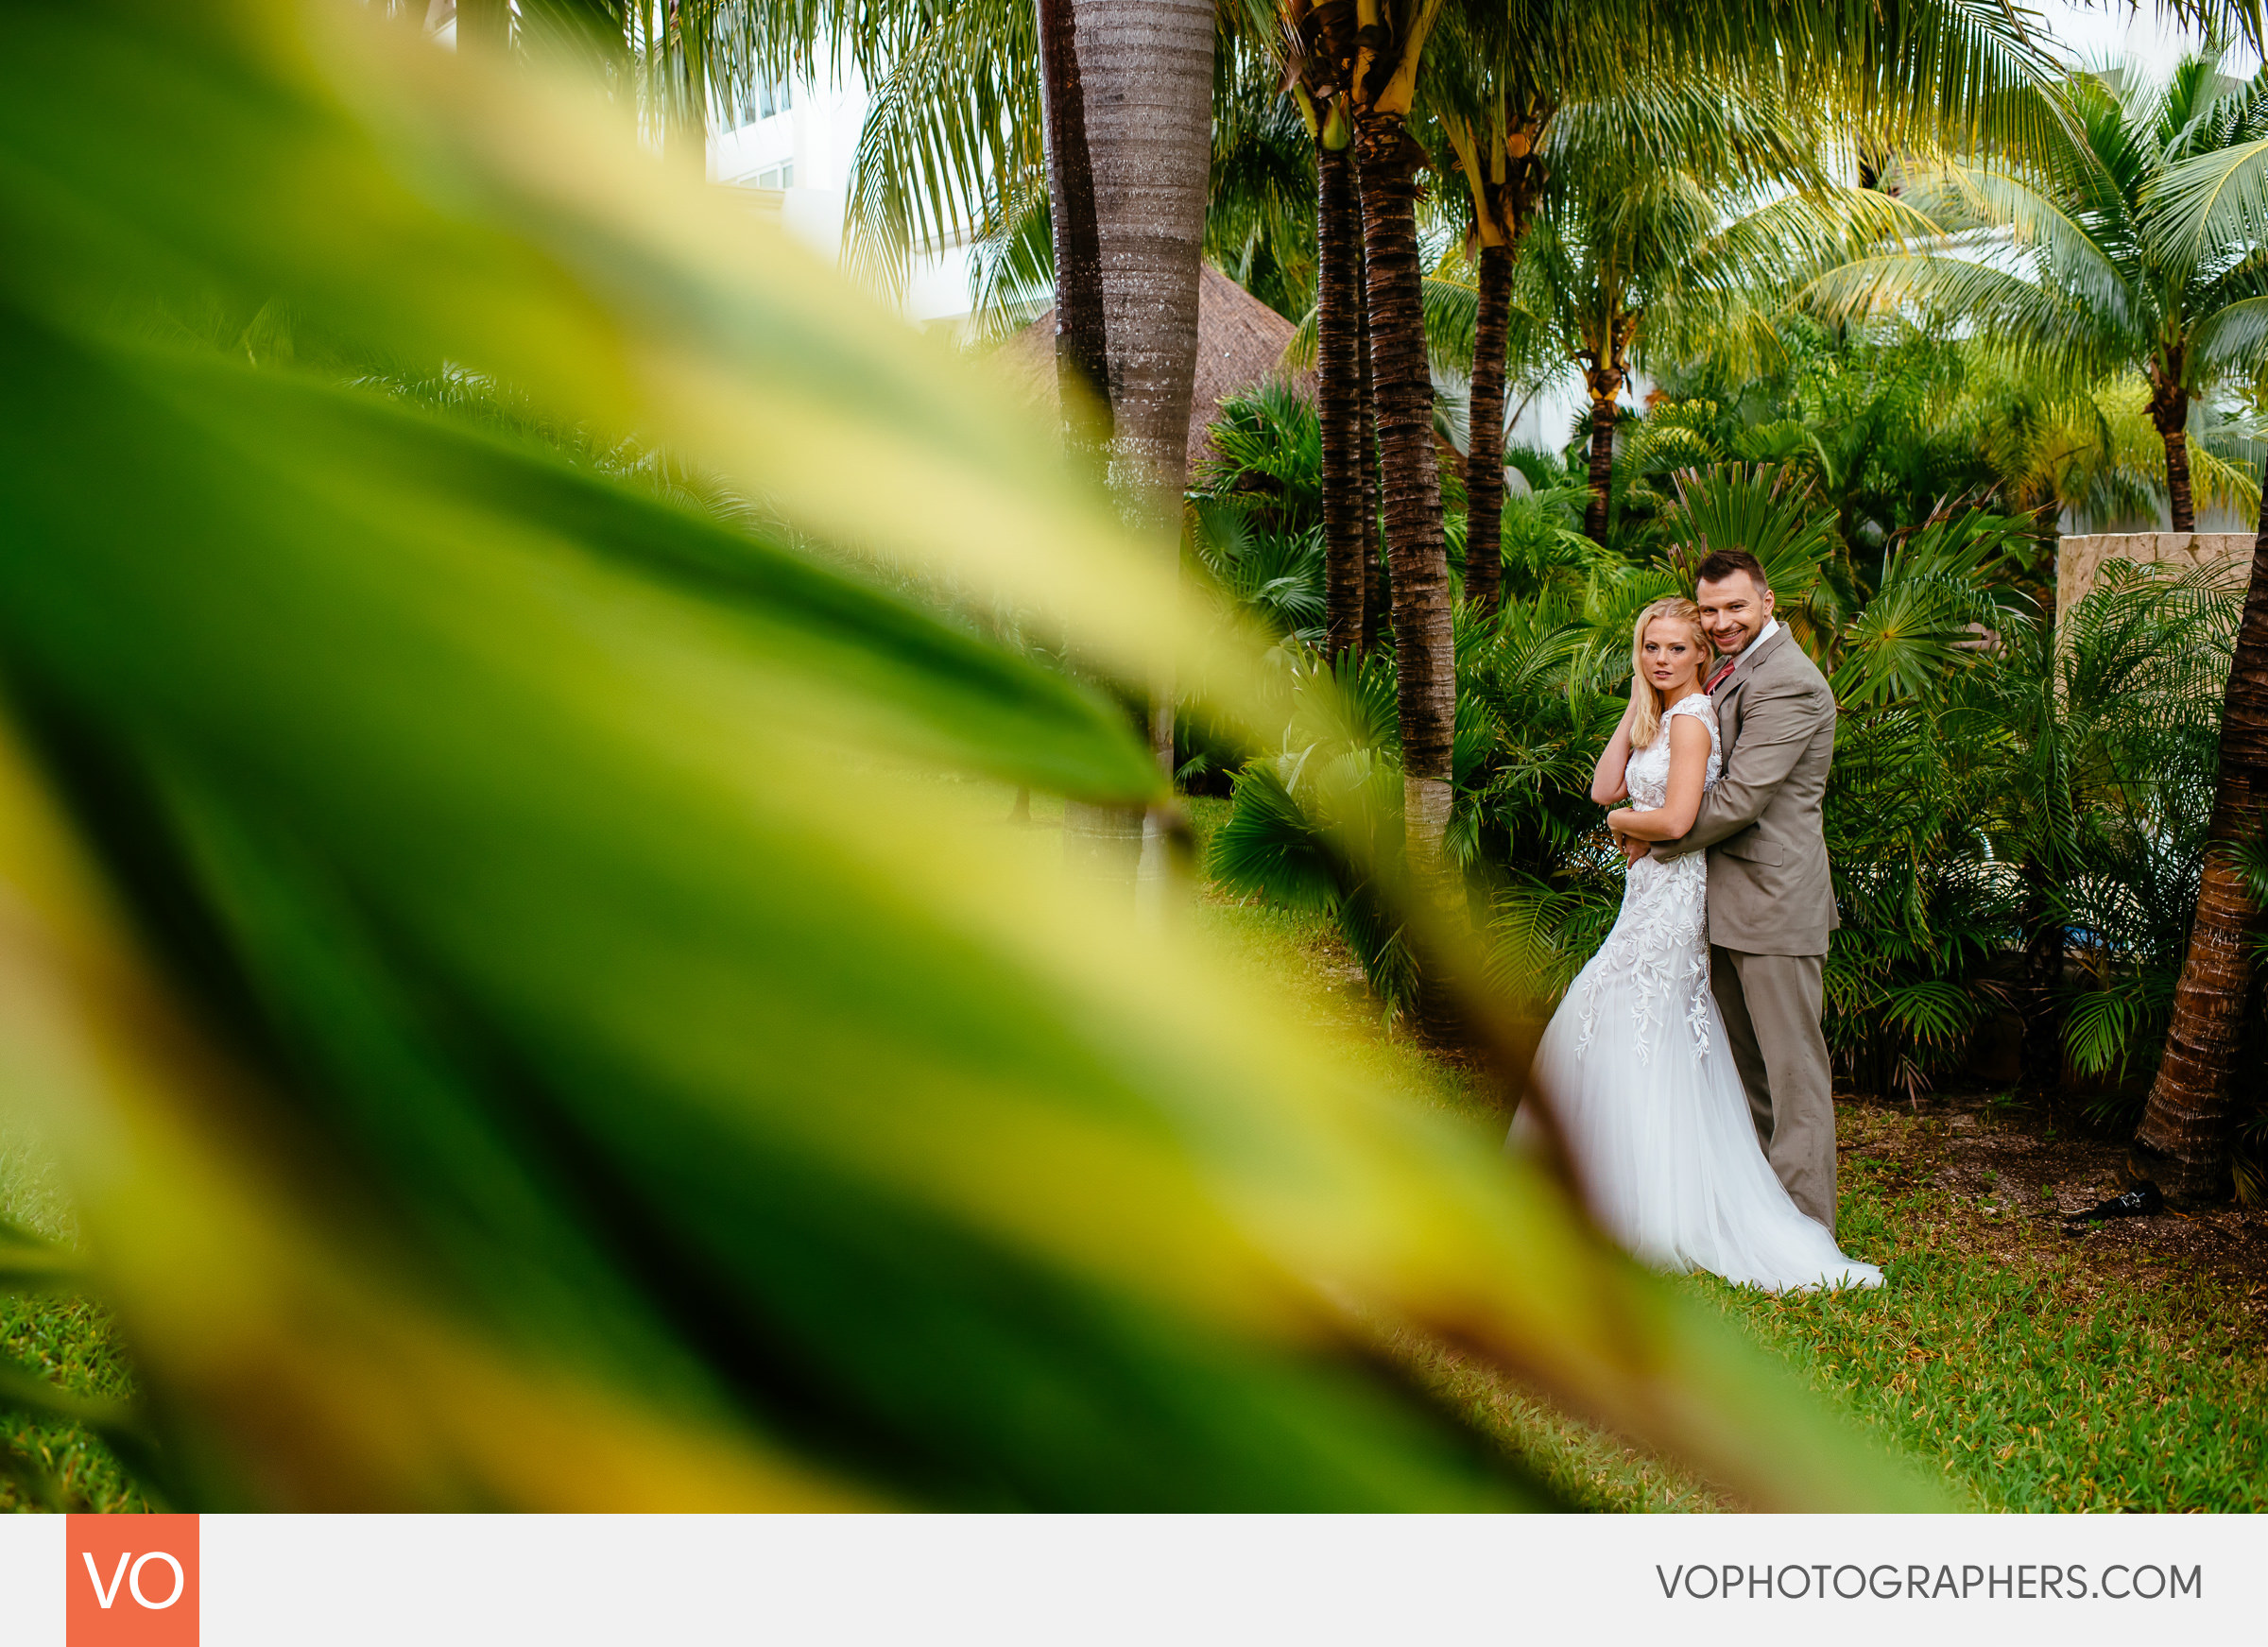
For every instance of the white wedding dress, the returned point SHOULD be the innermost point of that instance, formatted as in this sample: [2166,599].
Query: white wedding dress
[1636,1063]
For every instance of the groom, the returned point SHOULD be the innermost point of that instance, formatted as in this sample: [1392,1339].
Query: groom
[1770,903]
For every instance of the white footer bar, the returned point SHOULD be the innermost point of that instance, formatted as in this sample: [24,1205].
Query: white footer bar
[1135,1581]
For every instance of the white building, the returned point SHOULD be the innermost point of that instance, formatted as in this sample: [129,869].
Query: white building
[798,153]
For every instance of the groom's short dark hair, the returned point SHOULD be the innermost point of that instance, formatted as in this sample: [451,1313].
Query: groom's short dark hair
[1722,563]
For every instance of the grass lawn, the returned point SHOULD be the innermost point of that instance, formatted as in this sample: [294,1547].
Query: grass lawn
[2124,1369]
[68,1341]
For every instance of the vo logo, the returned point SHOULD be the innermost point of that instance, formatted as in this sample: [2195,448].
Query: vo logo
[130,1581]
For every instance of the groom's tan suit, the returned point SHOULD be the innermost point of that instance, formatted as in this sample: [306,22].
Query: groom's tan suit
[1771,904]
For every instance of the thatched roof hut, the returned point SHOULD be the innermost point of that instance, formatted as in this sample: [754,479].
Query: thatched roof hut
[1239,343]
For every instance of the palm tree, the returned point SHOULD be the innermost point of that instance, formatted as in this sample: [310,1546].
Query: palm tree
[1493,97]
[1383,87]
[1100,840]
[1907,68]
[1082,363]
[2183,1141]
[953,149]
[2067,253]
[1342,389]
[1149,75]
[1664,242]
[2210,210]
[2062,445]
[1313,47]
[952,144]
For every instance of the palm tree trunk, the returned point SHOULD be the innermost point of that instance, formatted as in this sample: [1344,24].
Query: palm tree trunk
[1347,531]
[2183,1141]
[1377,604]
[1082,351]
[1146,74]
[1403,392]
[1602,413]
[2170,412]
[2179,497]
[1100,842]
[1485,452]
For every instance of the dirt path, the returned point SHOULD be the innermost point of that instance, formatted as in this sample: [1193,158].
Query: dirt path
[2021,1177]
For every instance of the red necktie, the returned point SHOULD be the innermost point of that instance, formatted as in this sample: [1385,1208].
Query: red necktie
[1718,679]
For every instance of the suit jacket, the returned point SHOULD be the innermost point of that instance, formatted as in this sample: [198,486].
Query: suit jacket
[1769,893]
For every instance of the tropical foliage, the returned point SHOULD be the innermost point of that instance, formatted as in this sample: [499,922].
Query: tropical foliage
[524,1018]
[1994,775]
[489,918]
[2066,251]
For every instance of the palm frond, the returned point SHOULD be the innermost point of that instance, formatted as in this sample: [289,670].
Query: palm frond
[2214,199]
[1945,292]
[951,147]
[1976,201]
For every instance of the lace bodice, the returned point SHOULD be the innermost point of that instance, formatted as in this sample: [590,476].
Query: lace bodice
[1648,774]
[1660,944]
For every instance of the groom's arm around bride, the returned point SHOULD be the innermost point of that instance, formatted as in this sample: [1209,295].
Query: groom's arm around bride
[1771,902]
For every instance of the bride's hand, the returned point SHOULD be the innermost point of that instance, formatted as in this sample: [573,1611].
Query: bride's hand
[1632,847]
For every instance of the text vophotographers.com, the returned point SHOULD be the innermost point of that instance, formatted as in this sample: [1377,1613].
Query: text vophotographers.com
[1918,1581]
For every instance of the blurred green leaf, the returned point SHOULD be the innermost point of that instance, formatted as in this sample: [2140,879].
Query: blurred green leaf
[526,1021]
[26,1391]
[27,1264]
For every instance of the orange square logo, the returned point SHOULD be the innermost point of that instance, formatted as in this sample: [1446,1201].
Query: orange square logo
[130,1581]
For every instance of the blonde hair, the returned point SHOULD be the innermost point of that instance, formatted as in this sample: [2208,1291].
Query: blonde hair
[1646,723]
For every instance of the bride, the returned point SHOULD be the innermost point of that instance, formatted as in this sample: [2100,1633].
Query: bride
[1635,1061]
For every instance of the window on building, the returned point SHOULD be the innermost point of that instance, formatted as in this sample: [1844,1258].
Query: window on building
[778,176]
[772,99]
